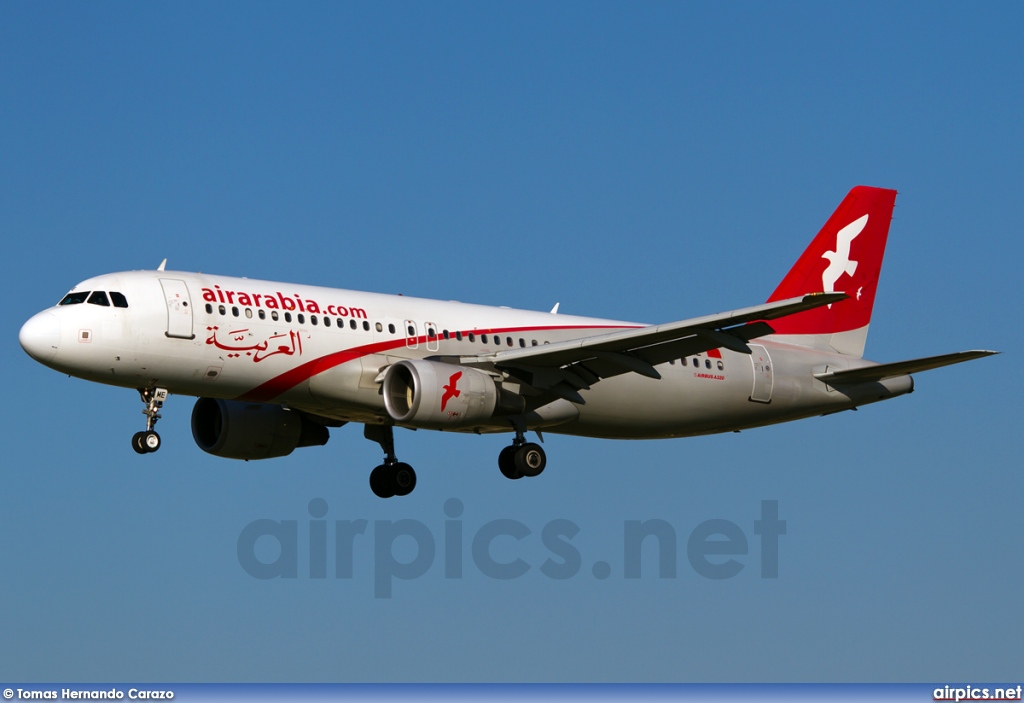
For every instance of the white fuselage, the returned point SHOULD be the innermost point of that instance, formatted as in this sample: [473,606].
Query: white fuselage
[322,350]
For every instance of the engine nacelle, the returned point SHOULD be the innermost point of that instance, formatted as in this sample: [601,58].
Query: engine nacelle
[439,396]
[236,430]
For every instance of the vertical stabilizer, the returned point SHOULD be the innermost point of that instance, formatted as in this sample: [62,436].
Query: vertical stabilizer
[845,256]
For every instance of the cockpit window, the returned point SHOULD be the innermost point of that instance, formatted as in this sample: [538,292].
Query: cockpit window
[118,300]
[75,297]
[99,298]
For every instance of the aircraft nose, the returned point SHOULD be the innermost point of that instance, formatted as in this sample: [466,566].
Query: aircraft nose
[40,337]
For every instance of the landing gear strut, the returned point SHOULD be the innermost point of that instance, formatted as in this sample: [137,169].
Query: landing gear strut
[522,458]
[149,441]
[393,477]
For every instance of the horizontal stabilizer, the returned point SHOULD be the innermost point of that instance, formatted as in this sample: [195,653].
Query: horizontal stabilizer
[879,372]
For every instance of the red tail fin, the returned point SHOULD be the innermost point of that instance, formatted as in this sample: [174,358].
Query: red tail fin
[846,256]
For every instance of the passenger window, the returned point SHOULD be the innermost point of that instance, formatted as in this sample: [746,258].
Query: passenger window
[391,328]
[483,338]
[234,311]
[458,336]
[696,362]
[379,327]
[273,315]
[287,317]
[707,363]
[721,366]
[74,298]
[248,313]
[327,322]
[312,319]
[301,318]
[366,326]
[120,301]
[222,310]
[209,309]
[352,324]
[262,314]
[522,342]
[508,341]
[472,337]
[99,298]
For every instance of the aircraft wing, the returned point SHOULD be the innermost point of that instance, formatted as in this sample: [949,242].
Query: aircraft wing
[567,367]
[879,372]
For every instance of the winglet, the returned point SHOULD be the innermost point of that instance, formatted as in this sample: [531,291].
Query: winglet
[554,310]
[162,265]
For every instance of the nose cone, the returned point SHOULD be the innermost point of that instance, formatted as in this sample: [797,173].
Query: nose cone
[40,337]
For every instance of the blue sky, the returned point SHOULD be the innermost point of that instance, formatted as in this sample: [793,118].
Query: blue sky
[648,162]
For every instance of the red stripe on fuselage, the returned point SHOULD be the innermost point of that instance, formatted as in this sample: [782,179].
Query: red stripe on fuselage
[289,379]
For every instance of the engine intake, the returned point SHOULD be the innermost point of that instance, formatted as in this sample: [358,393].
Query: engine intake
[435,395]
[236,430]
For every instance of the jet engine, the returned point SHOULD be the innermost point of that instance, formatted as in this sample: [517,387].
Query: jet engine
[439,396]
[236,430]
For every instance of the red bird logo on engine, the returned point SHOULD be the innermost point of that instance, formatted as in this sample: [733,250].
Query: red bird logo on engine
[450,390]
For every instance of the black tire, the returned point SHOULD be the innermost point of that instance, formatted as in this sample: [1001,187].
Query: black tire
[380,482]
[507,463]
[138,444]
[403,479]
[151,441]
[530,459]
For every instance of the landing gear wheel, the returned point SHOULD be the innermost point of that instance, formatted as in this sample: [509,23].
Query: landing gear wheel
[380,482]
[390,480]
[403,479]
[145,442]
[530,459]
[138,443]
[507,463]
[393,477]
[151,441]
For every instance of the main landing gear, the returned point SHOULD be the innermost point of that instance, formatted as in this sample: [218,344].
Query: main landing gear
[396,478]
[522,458]
[393,477]
[149,441]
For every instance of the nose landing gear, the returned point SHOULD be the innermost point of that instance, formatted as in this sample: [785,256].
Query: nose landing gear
[149,441]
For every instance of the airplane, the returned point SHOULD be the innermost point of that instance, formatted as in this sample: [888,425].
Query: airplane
[275,366]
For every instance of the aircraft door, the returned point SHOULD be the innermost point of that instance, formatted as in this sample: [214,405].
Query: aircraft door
[764,381]
[179,308]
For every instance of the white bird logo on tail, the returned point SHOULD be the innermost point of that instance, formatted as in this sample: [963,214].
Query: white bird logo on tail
[839,260]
